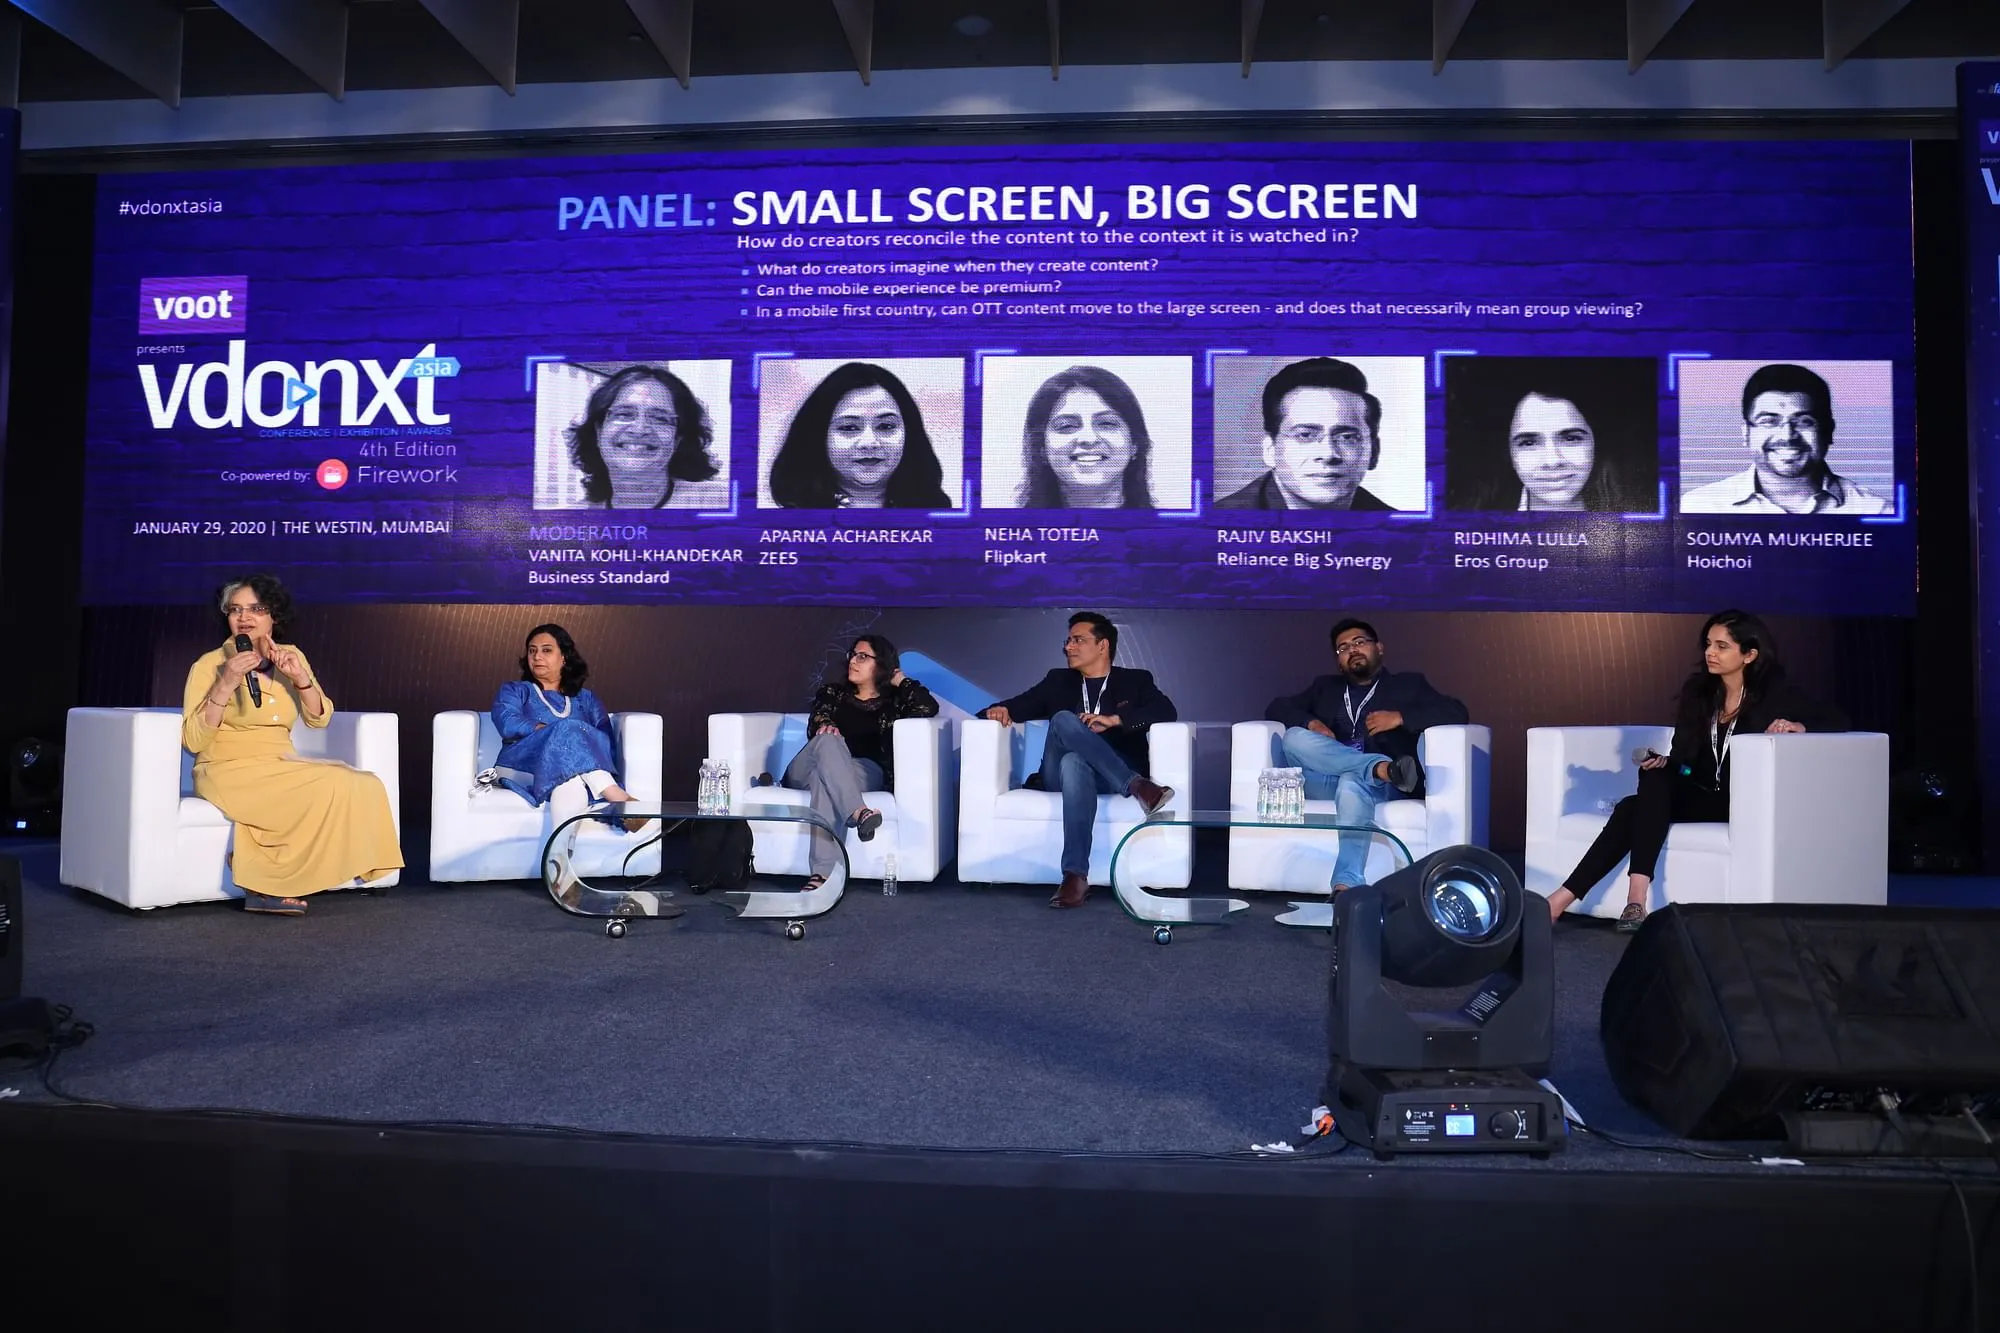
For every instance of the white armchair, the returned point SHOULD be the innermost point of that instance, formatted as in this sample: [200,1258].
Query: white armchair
[486,833]
[1808,818]
[919,818]
[1458,775]
[1010,835]
[135,831]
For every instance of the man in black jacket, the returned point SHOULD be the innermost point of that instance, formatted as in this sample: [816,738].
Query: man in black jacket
[1355,735]
[1098,719]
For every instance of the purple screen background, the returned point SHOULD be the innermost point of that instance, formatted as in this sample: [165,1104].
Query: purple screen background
[1763,251]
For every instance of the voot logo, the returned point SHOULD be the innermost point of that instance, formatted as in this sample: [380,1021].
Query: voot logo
[193,305]
[278,393]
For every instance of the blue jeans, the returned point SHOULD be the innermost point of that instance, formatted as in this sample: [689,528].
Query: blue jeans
[1347,776]
[1081,765]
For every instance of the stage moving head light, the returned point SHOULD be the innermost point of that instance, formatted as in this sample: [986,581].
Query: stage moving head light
[1458,917]
[1455,1079]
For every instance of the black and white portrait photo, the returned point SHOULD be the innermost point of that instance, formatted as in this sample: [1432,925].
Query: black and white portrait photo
[1552,434]
[1759,437]
[1320,434]
[632,435]
[880,433]
[1111,432]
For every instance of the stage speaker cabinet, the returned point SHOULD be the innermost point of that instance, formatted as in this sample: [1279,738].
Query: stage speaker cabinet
[1730,1022]
[10,928]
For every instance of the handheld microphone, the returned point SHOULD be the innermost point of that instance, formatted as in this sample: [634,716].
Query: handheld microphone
[256,691]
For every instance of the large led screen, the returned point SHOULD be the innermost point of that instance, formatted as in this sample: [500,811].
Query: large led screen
[1659,376]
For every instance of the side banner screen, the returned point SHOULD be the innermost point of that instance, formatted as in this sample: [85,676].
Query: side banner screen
[1661,376]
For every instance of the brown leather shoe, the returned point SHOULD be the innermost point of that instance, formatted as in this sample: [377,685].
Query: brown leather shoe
[1150,795]
[1075,888]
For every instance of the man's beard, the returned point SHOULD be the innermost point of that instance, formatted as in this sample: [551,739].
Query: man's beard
[1364,675]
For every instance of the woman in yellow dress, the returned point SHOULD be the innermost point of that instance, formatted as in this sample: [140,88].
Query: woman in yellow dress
[302,825]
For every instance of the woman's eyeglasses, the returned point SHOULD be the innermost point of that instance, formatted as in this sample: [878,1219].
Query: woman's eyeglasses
[253,609]
[858,656]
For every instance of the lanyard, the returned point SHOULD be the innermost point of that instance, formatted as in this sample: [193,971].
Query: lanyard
[1355,712]
[1089,708]
[1719,737]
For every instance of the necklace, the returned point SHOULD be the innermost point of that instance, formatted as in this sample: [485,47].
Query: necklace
[543,695]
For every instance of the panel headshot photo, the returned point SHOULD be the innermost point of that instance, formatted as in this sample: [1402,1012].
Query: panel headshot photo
[883,433]
[1760,437]
[1320,434]
[1552,434]
[1107,432]
[632,435]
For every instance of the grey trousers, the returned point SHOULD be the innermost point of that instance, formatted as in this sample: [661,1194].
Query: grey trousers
[836,781]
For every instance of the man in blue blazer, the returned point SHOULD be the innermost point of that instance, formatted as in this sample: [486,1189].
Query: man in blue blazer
[1355,735]
[1098,718]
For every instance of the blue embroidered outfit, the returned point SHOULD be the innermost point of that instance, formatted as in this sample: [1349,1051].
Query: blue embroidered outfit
[541,749]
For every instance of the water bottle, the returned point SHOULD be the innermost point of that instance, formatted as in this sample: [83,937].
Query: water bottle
[1264,794]
[704,790]
[1295,796]
[889,875]
[722,785]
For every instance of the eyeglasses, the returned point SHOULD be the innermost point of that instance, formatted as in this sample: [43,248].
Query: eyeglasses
[1358,641]
[858,656]
[1080,640]
[1772,421]
[1344,438]
[253,609]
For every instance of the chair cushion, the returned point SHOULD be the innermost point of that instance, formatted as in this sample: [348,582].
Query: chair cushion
[1045,807]
[197,813]
[1698,838]
[877,800]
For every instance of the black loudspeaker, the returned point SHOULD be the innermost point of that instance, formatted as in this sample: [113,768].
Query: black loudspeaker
[1721,1020]
[10,928]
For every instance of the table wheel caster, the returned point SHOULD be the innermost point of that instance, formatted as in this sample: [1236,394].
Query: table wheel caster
[615,929]
[795,930]
[1163,934]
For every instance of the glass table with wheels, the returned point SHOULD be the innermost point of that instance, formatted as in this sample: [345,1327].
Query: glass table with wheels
[619,897]
[1163,912]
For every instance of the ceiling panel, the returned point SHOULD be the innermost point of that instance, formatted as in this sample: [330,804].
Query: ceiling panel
[396,44]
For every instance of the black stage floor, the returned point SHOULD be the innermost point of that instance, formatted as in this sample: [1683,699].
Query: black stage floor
[949,1039]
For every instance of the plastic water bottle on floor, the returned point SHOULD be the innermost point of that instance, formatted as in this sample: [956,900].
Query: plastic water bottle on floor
[889,875]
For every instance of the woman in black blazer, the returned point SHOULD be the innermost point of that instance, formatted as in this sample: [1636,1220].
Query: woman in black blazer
[1740,689]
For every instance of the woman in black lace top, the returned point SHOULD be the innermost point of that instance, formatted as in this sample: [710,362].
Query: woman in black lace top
[851,751]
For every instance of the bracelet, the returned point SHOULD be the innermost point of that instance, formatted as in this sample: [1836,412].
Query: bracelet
[312,684]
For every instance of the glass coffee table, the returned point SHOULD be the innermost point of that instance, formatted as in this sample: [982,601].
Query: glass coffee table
[1163,913]
[620,898]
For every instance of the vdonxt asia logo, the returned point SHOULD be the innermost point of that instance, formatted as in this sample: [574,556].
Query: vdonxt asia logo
[193,305]
[223,393]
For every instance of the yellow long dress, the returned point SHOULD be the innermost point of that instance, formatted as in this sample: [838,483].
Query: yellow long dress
[302,825]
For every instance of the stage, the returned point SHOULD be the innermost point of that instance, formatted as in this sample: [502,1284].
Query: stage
[957,1086]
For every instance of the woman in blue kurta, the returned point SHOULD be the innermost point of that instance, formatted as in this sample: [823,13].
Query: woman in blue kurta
[557,746]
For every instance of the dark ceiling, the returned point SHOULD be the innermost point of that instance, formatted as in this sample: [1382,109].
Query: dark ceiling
[399,44]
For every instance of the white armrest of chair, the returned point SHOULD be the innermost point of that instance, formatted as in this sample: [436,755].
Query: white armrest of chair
[1253,747]
[121,785]
[742,740]
[454,761]
[984,764]
[926,795]
[367,741]
[642,752]
[1458,780]
[1809,818]
[1170,755]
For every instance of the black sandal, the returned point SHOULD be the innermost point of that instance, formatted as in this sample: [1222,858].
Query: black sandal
[814,882]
